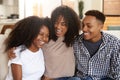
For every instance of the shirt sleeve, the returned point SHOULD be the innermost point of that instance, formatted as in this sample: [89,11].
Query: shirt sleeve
[17,59]
[115,63]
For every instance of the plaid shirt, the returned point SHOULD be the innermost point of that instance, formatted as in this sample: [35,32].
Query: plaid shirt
[106,61]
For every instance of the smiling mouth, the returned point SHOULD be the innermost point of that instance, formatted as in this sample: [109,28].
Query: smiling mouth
[58,31]
[42,42]
[86,33]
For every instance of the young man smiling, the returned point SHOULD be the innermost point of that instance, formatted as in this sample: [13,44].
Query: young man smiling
[97,53]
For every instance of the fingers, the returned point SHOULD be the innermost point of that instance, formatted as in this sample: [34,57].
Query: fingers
[11,53]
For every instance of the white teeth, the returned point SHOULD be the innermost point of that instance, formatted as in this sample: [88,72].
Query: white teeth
[86,33]
[58,30]
[41,42]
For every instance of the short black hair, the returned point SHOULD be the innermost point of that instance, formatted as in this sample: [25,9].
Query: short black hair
[96,13]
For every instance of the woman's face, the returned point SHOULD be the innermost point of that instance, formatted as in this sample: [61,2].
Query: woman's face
[60,27]
[41,39]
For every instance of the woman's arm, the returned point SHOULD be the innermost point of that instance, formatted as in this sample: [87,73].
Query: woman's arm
[11,54]
[16,71]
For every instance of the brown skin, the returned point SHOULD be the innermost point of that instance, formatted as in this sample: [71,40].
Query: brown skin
[42,35]
[16,71]
[11,55]
[60,27]
[40,40]
[60,30]
[37,43]
[92,28]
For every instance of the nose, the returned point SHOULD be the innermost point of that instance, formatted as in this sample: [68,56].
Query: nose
[84,28]
[45,38]
[57,25]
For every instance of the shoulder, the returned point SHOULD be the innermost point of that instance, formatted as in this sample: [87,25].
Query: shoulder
[115,33]
[110,38]
[78,38]
[111,41]
[17,59]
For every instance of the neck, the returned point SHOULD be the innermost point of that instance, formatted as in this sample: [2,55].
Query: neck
[33,49]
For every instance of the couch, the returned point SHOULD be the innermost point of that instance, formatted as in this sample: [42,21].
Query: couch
[3,58]
[3,55]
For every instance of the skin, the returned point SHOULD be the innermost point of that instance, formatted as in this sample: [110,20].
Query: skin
[37,43]
[60,27]
[41,39]
[60,30]
[92,28]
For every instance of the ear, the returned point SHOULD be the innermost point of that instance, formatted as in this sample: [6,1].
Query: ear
[101,25]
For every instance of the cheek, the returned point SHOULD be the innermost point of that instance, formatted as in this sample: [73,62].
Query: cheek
[65,29]
[47,39]
[94,29]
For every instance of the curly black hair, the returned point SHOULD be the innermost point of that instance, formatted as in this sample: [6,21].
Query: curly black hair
[72,22]
[26,30]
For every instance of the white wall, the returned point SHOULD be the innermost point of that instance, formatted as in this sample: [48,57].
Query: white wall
[97,4]
[49,6]
[21,9]
[8,7]
[2,11]
[92,4]
[25,9]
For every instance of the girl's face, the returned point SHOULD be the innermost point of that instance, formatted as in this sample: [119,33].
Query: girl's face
[41,39]
[60,27]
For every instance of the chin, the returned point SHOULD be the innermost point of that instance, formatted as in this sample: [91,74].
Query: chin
[85,37]
[40,46]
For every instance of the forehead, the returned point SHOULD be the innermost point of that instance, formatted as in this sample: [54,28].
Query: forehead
[89,19]
[44,28]
[60,18]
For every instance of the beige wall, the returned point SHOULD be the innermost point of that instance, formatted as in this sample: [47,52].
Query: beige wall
[92,4]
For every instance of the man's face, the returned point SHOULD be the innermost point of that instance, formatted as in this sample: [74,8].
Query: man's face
[91,28]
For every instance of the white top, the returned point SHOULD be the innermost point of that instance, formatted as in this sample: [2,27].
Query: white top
[32,64]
